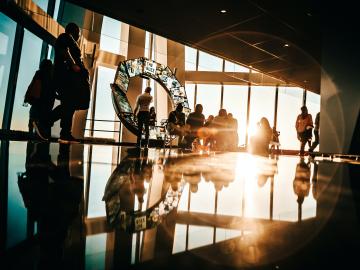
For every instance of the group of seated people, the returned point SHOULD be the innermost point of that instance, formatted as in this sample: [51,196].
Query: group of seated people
[218,133]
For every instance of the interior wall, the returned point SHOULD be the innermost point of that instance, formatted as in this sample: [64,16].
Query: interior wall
[340,84]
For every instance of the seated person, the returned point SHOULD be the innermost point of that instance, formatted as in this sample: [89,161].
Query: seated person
[259,144]
[195,121]
[176,121]
[221,125]
[152,120]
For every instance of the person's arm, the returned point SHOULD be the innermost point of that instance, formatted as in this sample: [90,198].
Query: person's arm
[297,123]
[310,120]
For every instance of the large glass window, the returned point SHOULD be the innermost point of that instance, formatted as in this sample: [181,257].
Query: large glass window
[42,4]
[289,104]
[190,58]
[208,62]
[104,109]
[313,105]
[110,35]
[235,102]
[29,64]
[209,95]
[190,93]
[262,104]
[7,36]
[232,67]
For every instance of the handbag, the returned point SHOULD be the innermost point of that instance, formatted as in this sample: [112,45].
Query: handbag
[33,92]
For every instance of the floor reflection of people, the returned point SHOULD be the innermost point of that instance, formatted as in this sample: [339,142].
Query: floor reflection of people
[301,184]
[52,198]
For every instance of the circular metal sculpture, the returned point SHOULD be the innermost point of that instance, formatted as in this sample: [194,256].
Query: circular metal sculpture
[148,69]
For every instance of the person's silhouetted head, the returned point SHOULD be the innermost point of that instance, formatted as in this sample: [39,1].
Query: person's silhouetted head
[152,109]
[222,112]
[264,123]
[179,107]
[73,30]
[198,108]
[148,90]
[46,65]
[304,110]
[230,115]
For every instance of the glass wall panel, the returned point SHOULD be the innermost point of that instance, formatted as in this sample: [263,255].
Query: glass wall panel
[262,104]
[208,62]
[42,4]
[190,93]
[235,102]
[7,36]
[313,105]
[190,58]
[104,109]
[289,104]
[29,64]
[209,95]
[110,35]
[232,67]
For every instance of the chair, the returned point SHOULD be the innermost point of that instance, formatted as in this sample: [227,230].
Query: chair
[168,137]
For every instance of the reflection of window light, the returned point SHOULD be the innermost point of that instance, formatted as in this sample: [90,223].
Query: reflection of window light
[95,251]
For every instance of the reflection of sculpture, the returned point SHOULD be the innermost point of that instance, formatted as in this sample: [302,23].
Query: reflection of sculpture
[127,181]
[148,69]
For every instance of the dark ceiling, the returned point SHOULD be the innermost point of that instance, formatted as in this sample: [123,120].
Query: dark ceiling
[251,32]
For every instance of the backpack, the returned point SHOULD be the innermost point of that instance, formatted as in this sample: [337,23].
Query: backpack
[33,91]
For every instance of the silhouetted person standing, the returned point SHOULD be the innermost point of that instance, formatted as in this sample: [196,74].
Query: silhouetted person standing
[71,77]
[304,125]
[316,132]
[41,106]
[143,116]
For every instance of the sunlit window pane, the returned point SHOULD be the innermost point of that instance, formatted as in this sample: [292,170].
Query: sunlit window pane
[7,35]
[29,63]
[190,58]
[104,109]
[209,95]
[190,93]
[235,102]
[232,67]
[262,104]
[208,62]
[110,35]
[289,104]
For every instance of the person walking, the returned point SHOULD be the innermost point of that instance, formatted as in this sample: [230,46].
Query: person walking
[304,125]
[41,97]
[142,111]
[72,80]
[316,133]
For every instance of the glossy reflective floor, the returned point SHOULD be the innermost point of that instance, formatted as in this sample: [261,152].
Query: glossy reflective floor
[107,207]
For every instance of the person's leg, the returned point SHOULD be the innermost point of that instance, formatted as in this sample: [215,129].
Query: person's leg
[146,124]
[67,113]
[302,146]
[316,142]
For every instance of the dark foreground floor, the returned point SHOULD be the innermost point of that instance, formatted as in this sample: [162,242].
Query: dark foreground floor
[108,207]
